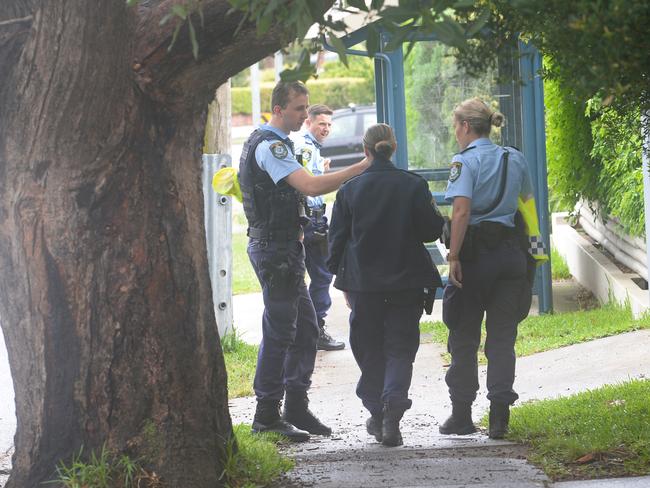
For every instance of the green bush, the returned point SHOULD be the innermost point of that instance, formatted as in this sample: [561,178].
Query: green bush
[358,67]
[617,144]
[594,153]
[336,93]
[572,174]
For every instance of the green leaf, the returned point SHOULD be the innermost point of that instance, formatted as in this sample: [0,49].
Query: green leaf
[195,44]
[479,23]
[400,14]
[264,24]
[372,41]
[298,73]
[165,19]
[131,3]
[180,11]
[360,4]
[447,32]
[340,48]
[175,36]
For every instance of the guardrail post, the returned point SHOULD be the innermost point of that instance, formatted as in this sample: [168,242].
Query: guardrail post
[218,233]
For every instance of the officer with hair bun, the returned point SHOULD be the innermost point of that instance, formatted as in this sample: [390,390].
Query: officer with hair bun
[488,266]
[380,222]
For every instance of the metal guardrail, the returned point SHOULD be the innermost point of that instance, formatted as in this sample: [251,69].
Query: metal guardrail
[218,234]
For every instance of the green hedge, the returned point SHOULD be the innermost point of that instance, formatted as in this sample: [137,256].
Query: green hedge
[336,93]
[571,171]
[594,153]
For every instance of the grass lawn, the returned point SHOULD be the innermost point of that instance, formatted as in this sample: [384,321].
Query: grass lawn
[559,268]
[244,279]
[600,433]
[241,359]
[545,332]
[256,460]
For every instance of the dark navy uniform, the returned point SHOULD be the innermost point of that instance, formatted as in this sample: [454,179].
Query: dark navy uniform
[273,209]
[380,221]
[495,281]
[308,148]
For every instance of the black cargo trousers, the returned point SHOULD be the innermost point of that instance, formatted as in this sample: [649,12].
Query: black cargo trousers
[495,284]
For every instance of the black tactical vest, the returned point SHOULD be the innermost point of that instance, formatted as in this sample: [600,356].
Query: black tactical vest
[270,209]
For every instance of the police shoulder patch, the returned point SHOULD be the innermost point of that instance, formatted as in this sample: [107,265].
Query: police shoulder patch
[279,150]
[454,170]
[306,155]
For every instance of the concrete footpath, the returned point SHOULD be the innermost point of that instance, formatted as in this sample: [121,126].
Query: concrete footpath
[352,458]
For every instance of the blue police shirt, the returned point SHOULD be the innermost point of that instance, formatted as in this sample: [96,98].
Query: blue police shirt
[276,157]
[307,145]
[475,173]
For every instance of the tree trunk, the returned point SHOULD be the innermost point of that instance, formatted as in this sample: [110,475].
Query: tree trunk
[105,299]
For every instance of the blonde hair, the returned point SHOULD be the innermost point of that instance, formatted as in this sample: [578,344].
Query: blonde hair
[380,140]
[478,115]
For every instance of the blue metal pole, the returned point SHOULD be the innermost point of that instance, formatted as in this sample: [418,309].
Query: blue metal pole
[534,139]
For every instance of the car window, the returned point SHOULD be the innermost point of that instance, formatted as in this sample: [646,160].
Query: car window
[344,126]
[369,119]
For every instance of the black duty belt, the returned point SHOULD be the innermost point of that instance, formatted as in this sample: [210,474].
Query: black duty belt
[491,233]
[315,212]
[274,235]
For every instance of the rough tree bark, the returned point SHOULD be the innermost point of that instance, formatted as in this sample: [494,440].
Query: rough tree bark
[105,298]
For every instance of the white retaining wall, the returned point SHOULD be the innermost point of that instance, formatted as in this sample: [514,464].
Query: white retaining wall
[593,270]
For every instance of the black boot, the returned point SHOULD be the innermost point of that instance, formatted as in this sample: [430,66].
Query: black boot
[499,419]
[374,425]
[390,433]
[296,412]
[460,421]
[267,419]
[325,341]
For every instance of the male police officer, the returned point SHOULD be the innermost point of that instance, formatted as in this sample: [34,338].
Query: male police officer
[272,184]
[308,145]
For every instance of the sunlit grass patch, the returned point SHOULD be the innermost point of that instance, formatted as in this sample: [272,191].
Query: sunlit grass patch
[255,461]
[545,332]
[241,360]
[600,433]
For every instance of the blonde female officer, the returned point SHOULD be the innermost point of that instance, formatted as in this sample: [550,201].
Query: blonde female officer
[488,265]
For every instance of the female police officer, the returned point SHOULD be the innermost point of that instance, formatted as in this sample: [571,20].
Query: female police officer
[379,223]
[487,267]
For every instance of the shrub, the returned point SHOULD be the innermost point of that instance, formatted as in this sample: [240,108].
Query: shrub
[336,93]
[572,174]
[594,154]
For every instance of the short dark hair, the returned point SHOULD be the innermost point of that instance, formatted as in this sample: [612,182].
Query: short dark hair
[318,109]
[282,92]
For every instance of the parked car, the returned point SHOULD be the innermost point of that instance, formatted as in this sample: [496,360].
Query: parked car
[344,145]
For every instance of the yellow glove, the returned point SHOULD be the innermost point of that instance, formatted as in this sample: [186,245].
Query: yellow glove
[225,182]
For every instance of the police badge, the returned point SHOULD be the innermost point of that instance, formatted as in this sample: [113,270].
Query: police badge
[454,171]
[306,155]
[279,150]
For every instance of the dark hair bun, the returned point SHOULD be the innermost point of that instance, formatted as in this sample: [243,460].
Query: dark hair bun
[384,148]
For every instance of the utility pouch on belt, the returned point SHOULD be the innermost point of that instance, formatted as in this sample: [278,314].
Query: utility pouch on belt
[467,248]
[320,239]
[429,298]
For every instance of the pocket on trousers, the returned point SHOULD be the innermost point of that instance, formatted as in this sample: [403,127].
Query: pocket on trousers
[281,280]
[452,306]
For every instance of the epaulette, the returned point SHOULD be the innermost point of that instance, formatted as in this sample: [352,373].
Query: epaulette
[466,149]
